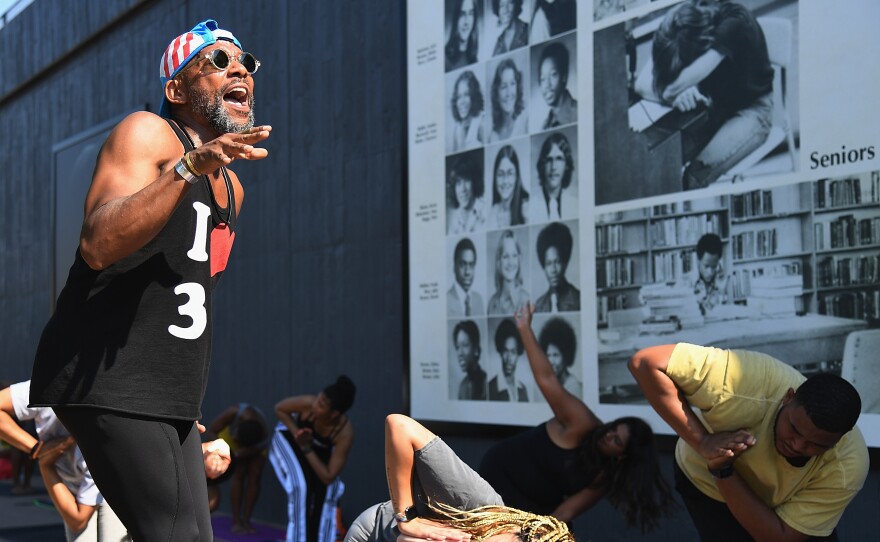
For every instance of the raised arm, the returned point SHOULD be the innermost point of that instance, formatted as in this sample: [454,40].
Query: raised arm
[135,188]
[572,414]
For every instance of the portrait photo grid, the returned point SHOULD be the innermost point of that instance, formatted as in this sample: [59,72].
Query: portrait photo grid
[512,195]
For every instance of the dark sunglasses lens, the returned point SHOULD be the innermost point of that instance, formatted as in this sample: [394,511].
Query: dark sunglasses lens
[220,59]
[249,62]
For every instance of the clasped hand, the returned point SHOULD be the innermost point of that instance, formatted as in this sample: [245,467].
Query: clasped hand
[721,449]
[304,437]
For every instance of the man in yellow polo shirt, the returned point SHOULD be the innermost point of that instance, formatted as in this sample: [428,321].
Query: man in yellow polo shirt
[760,461]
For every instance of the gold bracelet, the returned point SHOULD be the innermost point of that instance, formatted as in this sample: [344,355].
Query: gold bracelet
[187,161]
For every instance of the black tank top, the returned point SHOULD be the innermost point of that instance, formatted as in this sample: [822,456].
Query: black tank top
[136,336]
[532,473]
[322,445]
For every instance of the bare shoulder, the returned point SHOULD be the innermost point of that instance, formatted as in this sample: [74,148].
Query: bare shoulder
[143,134]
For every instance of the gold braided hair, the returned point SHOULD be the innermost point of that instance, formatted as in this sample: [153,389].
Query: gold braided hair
[488,521]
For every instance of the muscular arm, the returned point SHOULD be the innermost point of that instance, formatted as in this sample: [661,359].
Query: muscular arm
[756,517]
[10,431]
[648,367]
[135,188]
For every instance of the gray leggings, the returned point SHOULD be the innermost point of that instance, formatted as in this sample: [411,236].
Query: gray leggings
[150,470]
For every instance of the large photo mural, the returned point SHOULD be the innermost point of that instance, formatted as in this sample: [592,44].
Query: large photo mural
[641,180]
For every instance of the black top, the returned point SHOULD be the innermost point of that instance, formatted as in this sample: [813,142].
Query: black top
[136,336]
[322,445]
[745,73]
[532,473]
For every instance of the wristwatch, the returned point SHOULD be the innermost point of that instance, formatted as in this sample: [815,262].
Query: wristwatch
[722,473]
[184,172]
[407,515]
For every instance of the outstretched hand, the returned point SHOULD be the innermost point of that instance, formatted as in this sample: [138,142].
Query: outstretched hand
[722,449]
[425,529]
[227,148]
[523,316]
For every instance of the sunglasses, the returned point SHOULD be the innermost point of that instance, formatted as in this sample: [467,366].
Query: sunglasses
[220,59]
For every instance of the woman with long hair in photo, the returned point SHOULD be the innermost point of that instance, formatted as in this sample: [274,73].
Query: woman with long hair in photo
[434,495]
[309,450]
[514,33]
[463,43]
[467,112]
[510,200]
[508,102]
[712,54]
[509,293]
[565,465]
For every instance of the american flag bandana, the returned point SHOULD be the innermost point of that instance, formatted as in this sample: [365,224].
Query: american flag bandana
[185,47]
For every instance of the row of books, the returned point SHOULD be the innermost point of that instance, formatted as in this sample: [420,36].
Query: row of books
[685,230]
[848,271]
[754,244]
[615,272]
[860,305]
[670,266]
[847,231]
[751,204]
[609,239]
[842,192]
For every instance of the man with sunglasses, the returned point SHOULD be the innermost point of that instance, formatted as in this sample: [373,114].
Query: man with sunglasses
[124,359]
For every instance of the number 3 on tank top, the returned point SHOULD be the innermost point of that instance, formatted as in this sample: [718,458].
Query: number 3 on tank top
[195,305]
[194,308]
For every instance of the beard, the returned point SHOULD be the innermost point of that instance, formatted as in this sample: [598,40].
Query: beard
[211,107]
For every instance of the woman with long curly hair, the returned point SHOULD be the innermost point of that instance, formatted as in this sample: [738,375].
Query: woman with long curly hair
[436,496]
[567,464]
